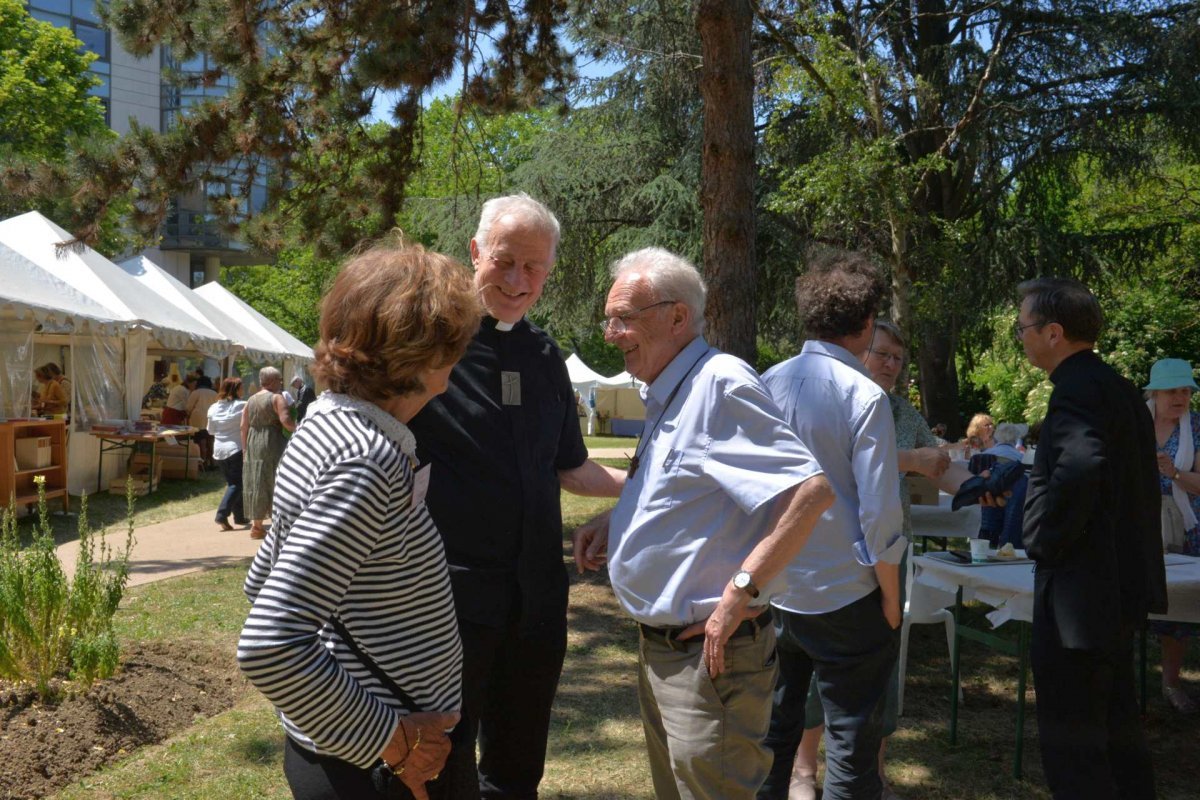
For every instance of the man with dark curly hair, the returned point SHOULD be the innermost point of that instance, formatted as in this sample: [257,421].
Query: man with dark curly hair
[839,615]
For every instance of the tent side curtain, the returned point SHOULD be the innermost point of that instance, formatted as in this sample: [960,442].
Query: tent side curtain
[16,366]
[97,379]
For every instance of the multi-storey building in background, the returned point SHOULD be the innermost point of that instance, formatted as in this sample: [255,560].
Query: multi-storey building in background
[193,246]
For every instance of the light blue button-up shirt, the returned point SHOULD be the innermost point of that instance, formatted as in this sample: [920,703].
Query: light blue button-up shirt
[700,499]
[845,419]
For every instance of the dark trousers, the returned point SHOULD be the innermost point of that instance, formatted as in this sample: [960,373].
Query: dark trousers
[314,777]
[851,652]
[509,680]
[231,501]
[1089,723]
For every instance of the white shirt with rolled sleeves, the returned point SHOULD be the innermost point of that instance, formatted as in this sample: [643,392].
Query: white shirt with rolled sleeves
[701,498]
[845,419]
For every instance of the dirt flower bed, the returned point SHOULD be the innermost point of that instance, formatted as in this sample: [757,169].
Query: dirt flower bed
[161,689]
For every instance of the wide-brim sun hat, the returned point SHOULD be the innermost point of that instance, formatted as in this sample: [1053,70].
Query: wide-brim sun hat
[1171,373]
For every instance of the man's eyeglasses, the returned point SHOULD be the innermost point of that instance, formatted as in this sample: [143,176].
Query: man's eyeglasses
[620,323]
[1019,329]
[885,357]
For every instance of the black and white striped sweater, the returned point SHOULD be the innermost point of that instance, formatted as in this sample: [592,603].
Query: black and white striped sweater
[346,537]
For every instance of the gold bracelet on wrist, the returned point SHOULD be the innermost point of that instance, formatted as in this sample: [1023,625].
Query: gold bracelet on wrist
[398,767]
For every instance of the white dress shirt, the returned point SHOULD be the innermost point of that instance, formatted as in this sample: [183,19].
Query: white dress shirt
[845,419]
[702,496]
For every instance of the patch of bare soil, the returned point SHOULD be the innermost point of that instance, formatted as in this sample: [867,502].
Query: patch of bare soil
[162,688]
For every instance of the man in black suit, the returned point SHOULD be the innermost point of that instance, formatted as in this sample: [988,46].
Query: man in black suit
[304,395]
[1092,526]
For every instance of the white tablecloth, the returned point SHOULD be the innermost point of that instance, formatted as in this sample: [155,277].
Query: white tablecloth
[1009,588]
[940,522]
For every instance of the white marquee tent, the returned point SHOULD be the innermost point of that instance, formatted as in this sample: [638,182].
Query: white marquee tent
[618,397]
[99,330]
[195,306]
[93,276]
[75,307]
[291,350]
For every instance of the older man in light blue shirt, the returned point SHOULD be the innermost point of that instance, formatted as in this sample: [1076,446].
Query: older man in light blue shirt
[838,614]
[720,497]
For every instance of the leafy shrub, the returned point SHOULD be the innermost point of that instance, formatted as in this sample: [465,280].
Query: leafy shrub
[52,627]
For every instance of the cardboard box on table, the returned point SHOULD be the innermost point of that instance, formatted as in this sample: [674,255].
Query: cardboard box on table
[921,490]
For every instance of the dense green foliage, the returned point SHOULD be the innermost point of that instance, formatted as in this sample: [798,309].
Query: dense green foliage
[51,626]
[948,140]
[967,146]
[44,84]
[289,292]
[52,131]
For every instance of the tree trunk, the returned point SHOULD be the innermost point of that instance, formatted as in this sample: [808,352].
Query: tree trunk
[727,174]
[901,311]
[939,379]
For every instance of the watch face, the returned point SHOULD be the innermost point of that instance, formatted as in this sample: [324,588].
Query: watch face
[743,581]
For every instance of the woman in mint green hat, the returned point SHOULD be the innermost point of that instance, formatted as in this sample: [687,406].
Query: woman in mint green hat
[1169,397]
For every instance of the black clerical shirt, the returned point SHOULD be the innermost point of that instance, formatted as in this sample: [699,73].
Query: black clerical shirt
[495,441]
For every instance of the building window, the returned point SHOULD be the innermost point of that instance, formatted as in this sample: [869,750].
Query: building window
[189,83]
[93,38]
[85,9]
[53,6]
[80,17]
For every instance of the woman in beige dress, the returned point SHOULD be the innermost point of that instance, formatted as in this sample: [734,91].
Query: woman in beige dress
[263,422]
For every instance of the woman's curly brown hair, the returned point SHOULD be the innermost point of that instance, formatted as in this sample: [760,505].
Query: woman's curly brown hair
[838,293]
[393,312]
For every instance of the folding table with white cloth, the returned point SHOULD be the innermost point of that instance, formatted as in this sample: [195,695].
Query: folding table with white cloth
[1008,588]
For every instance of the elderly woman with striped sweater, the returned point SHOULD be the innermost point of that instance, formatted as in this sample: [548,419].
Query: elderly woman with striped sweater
[352,634]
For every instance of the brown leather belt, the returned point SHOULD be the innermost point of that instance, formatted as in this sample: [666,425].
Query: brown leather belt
[669,635]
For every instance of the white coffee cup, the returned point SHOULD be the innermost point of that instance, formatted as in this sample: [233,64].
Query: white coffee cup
[979,550]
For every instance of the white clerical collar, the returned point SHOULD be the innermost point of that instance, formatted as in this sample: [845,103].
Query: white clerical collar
[501,325]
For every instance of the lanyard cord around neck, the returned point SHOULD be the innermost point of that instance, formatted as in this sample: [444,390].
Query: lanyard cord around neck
[640,448]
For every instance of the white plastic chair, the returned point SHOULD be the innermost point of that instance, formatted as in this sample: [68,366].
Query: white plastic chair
[921,617]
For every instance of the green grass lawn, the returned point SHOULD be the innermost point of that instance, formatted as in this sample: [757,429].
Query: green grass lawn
[596,746]
[608,442]
[170,499]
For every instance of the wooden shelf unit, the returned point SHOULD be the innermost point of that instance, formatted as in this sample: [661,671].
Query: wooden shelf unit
[19,482]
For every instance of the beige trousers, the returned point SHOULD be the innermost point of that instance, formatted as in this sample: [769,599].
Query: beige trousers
[705,737]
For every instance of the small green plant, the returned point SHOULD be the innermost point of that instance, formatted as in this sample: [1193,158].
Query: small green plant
[52,627]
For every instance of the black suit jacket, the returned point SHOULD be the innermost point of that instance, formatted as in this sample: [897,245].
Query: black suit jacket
[303,399]
[1092,511]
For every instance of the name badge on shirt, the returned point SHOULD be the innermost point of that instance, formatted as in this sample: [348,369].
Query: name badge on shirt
[421,484]
[510,388]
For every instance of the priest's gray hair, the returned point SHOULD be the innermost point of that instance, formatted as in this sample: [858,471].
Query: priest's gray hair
[524,208]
